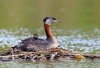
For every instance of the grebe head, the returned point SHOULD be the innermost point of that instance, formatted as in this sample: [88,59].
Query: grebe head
[36,36]
[49,20]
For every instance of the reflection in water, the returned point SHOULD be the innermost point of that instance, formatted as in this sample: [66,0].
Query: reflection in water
[51,64]
[13,36]
[77,40]
[76,14]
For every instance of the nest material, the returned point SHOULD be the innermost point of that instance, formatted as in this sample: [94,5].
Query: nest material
[51,54]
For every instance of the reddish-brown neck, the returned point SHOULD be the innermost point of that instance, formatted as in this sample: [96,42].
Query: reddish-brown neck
[48,31]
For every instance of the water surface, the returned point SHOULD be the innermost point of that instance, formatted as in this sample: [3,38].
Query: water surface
[79,31]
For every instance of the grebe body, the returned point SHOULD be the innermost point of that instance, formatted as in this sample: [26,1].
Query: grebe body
[37,44]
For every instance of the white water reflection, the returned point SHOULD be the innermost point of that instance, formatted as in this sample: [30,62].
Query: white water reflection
[13,36]
[76,40]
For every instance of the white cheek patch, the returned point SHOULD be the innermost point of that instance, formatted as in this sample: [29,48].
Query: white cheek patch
[48,22]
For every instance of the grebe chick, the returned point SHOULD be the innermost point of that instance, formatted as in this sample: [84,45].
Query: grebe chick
[36,36]
[32,44]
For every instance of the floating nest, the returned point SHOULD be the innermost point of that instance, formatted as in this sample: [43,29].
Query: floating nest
[51,54]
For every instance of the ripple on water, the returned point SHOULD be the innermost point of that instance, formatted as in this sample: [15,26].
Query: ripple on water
[76,40]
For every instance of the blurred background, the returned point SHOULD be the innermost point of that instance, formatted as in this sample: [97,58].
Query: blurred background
[80,28]
[30,13]
[79,31]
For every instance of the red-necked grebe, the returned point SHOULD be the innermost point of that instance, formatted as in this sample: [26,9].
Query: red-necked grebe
[35,43]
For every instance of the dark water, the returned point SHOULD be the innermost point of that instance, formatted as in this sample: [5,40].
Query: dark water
[79,31]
